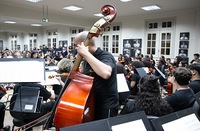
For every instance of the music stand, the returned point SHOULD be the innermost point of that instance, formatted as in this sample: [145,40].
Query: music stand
[133,121]
[141,71]
[178,121]
[100,125]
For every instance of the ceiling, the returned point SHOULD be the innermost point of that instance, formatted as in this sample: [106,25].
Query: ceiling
[90,7]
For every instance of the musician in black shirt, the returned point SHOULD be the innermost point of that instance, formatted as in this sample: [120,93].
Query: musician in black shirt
[102,66]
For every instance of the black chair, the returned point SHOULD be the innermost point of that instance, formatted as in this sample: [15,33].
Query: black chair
[25,106]
[196,108]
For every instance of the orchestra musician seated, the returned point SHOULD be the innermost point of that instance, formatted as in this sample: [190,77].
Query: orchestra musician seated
[183,97]
[47,96]
[195,80]
[149,99]
[65,65]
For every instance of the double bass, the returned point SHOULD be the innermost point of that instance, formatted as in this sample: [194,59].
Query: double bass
[75,103]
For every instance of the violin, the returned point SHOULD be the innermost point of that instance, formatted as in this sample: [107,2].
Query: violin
[150,71]
[122,61]
[129,75]
[57,75]
[169,88]
[2,89]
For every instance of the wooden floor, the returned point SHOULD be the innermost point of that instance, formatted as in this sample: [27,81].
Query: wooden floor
[8,118]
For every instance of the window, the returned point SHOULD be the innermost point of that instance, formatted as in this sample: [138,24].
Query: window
[116,28]
[13,41]
[74,32]
[153,25]
[111,39]
[167,24]
[159,38]
[106,42]
[151,43]
[52,39]
[165,43]
[33,41]
[115,44]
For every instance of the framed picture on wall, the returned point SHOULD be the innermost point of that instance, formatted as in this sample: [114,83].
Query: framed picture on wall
[183,52]
[184,36]
[137,43]
[184,44]
[18,47]
[126,51]
[25,47]
[127,43]
[63,43]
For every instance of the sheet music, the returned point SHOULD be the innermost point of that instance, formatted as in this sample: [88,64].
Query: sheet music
[160,73]
[136,125]
[121,83]
[22,71]
[187,123]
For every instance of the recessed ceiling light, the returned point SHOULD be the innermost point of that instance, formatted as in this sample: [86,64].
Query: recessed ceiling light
[125,0]
[9,22]
[34,1]
[99,15]
[36,25]
[73,8]
[152,7]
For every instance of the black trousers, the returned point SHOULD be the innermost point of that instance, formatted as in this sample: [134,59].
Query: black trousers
[2,114]
[105,113]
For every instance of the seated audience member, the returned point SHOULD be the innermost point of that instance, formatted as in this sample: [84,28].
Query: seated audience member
[183,97]
[2,115]
[196,59]
[149,99]
[47,106]
[195,80]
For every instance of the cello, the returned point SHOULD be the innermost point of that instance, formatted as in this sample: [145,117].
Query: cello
[75,104]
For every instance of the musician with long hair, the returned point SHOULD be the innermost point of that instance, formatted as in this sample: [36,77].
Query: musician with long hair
[102,66]
[149,99]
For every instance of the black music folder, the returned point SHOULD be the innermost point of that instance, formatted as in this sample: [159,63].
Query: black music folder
[100,125]
[136,121]
[131,122]
[184,120]
[142,72]
[27,99]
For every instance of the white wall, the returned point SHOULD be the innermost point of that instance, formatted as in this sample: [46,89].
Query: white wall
[132,27]
[186,21]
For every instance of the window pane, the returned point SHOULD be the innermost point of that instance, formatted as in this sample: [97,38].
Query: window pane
[149,36]
[154,37]
[168,36]
[149,44]
[150,25]
[163,24]
[169,24]
[155,25]
[153,51]
[162,44]
[148,51]
[162,51]
[153,44]
[163,36]
[167,51]
[168,44]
